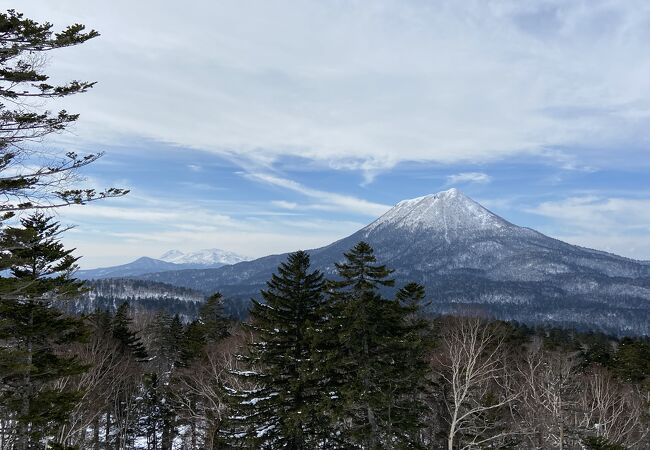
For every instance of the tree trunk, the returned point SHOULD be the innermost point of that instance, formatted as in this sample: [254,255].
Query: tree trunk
[167,435]
[96,433]
[107,437]
[24,440]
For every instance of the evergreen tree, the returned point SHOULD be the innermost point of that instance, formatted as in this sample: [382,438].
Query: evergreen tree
[151,411]
[160,385]
[372,350]
[193,343]
[129,340]
[281,412]
[33,333]
[632,361]
[212,318]
[29,177]
[167,340]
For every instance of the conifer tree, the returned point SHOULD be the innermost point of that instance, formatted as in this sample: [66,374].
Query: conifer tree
[193,343]
[129,340]
[373,356]
[213,319]
[167,340]
[32,332]
[281,412]
[30,177]
[160,384]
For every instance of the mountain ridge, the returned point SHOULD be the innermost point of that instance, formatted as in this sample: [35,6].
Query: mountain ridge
[468,257]
[205,256]
[169,261]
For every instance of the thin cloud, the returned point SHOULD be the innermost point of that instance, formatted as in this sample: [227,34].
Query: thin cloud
[469,177]
[284,204]
[401,81]
[341,202]
[140,230]
[617,225]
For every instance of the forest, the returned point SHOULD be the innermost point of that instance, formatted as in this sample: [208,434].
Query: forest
[318,364]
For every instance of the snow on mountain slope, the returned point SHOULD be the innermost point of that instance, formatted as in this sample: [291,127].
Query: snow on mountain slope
[206,256]
[449,212]
[169,261]
[468,257]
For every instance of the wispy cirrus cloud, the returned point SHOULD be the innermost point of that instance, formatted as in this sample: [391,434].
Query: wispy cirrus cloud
[148,228]
[363,88]
[618,225]
[285,204]
[331,200]
[469,177]
[599,213]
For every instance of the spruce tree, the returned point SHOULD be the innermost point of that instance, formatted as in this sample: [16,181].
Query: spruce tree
[158,408]
[214,322]
[281,412]
[193,343]
[130,342]
[373,354]
[32,177]
[33,333]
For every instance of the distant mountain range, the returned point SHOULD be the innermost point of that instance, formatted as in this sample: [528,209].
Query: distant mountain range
[208,256]
[470,259]
[171,260]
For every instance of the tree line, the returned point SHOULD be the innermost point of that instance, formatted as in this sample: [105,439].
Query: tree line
[320,364]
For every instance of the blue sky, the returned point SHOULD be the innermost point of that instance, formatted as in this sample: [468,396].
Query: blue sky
[267,126]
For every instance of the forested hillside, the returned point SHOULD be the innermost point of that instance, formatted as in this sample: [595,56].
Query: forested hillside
[470,258]
[141,295]
[272,126]
[335,364]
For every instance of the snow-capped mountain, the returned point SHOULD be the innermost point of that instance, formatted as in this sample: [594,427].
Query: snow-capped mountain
[469,258]
[140,266]
[169,261]
[450,213]
[209,256]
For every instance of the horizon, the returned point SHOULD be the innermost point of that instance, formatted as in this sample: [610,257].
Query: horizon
[326,224]
[245,258]
[264,129]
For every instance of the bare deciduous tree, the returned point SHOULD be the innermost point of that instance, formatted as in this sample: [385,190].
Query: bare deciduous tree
[471,364]
[611,409]
[547,398]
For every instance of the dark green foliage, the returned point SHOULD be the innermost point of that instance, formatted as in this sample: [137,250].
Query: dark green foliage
[32,333]
[167,339]
[372,351]
[281,411]
[211,326]
[212,318]
[411,295]
[129,340]
[23,45]
[193,342]
[596,349]
[632,360]
[359,273]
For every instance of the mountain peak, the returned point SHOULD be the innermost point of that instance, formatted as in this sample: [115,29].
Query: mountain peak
[171,254]
[449,195]
[206,256]
[450,212]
